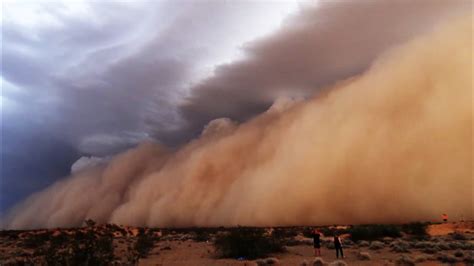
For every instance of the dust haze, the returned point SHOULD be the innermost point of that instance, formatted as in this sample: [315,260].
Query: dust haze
[393,144]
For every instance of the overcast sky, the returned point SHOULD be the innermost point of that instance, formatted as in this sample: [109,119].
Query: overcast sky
[93,78]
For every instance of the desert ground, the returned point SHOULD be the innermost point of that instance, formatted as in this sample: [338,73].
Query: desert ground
[440,244]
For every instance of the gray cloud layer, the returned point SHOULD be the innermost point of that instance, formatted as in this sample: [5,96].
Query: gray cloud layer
[101,80]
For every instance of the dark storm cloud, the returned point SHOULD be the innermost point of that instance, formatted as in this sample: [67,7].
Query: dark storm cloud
[89,78]
[31,161]
[335,40]
[108,73]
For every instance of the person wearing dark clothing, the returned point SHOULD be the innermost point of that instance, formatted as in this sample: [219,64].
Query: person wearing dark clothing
[338,246]
[317,243]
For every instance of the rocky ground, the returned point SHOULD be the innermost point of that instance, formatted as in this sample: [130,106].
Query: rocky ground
[449,243]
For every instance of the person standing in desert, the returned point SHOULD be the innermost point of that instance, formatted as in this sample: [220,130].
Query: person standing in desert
[338,246]
[317,243]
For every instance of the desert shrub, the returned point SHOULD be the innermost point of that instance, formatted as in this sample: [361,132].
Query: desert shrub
[458,253]
[469,259]
[400,246]
[421,258]
[416,229]
[10,234]
[285,232]
[405,260]
[458,236]
[364,256]
[319,262]
[376,245]
[363,243]
[327,231]
[249,243]
[201,236]
[295,242]
[287,237]
[330,245]
[338,263]
[145,242]
[424,244]
[455,245]
[429,250]
[35,240]
[271,261]
[347,242]
[446,258]
[307,232]
[373,232]
[91,249]
[467,246]
[267,261]
[442,246]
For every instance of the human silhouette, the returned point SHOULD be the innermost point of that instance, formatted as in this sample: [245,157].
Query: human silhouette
[317,243]
[338,246]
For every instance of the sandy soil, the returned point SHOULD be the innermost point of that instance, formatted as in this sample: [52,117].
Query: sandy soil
[181,248]
[193,253]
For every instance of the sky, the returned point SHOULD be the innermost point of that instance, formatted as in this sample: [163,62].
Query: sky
[94,78]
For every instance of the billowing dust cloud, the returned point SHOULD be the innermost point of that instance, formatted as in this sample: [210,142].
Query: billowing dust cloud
[391,145]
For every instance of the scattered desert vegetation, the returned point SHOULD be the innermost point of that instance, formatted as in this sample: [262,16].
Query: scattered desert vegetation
[247,243]
[110,244]
[373,232]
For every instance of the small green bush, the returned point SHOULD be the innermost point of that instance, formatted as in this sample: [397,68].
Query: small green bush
[443,246]
[455,245]
[347,242]
[268,261]
[400,246]
[285,232]
[458,254]
[329,245]
[373,232]
[91,249]
[469,259]
[364,256]
[308,232]
[424,244]
[338,263]
[415,229]
[421,258]
[247,243]
[35,240]
[201,236]
[375,245]
[405,260]
[430,250]
[145,242]
[446,258]
[467,246]
[319,262]
[458,236]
